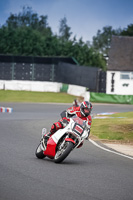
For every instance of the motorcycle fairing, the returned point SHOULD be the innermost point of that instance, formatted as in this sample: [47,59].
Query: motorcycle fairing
[51,148]
[70,140]
[53,140]
[78,129]
[52,143]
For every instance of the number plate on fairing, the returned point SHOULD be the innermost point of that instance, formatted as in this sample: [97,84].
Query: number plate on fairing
[78,129]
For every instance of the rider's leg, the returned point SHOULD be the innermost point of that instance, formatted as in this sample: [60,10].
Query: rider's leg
[55,127]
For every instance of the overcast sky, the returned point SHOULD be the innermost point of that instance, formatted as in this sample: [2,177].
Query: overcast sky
[84,17]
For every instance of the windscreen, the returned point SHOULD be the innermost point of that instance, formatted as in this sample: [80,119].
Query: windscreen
[79,121]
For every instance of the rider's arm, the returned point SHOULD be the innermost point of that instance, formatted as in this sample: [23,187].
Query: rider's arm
[64,121]
[66,115]
[70,112]
[88,125]
[89,120]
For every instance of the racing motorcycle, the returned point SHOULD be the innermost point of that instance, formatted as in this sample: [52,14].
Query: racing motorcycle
[63,141]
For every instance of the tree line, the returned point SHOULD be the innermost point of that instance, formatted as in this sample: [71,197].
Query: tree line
[28,34]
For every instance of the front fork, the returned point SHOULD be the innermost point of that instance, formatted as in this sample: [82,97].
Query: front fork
[76,144]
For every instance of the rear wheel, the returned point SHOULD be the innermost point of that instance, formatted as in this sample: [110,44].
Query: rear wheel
[63,151]
[39,152]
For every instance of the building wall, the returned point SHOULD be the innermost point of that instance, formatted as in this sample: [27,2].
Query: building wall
[119,82]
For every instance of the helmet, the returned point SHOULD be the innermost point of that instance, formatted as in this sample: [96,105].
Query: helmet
[85,108]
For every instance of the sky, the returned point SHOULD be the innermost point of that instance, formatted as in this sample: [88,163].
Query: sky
[84,17]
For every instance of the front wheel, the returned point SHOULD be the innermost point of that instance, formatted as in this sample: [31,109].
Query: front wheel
[39,152]
[63,151]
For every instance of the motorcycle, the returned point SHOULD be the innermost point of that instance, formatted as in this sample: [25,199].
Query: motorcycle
[63,141]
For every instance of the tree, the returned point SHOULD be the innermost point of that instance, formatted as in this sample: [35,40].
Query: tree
[101,42]
[28,18]
[128,31]
[64,30]
[26,33]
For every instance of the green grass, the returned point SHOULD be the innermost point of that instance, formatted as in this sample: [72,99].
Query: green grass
[120,129]
[26,96]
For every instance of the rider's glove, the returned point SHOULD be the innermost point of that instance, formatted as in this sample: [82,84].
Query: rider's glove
[88,132]
[86,138]
[88,129]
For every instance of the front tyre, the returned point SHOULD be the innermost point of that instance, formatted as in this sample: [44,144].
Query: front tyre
[39,152]
[63,151]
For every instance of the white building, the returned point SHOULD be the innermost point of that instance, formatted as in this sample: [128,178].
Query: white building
[120,66]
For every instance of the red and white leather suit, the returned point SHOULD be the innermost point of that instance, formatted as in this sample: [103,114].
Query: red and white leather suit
[70,111]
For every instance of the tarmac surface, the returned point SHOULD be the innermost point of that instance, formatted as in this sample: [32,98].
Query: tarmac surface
[89,172]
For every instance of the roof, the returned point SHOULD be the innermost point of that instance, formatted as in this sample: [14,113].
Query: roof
[121,54]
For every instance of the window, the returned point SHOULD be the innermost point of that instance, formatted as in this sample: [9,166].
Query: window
[126,75]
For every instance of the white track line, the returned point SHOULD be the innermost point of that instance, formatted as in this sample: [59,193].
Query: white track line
[110,150]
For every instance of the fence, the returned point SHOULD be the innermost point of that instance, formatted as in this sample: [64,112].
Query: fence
[51,69]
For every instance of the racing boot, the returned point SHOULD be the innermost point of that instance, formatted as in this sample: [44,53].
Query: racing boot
[46,137]
[53,129]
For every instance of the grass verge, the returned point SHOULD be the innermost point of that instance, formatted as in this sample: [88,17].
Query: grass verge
[26,96]
[117,127]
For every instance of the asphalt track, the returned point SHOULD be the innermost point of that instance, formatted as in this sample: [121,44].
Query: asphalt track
[89,173]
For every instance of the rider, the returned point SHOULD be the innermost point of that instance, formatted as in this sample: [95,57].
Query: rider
[83,111]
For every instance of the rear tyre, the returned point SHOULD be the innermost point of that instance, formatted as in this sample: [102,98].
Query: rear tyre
[39,152]
[63,151]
